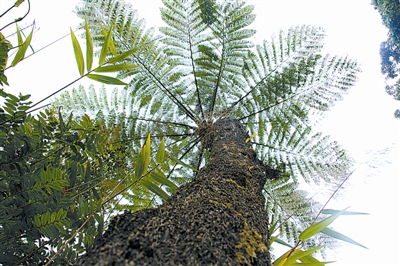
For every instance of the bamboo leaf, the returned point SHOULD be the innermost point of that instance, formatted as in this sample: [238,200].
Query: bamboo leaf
[147,152]
[272,240]
[160,178]
[21,51]
[161,152]
[331,211]
[183,143]
[104,48]
[298,254]
[18,3]
[313,263]
[141,166]
[176,160]
[111,44]
[19,36]
[282,259]
[96,195]
[158,191]
[78,53]
[106,79]
[121,56]
[310,259]
[114,68]
[316,228]
[340,236]
[290,257]
[280,241]
[89,48]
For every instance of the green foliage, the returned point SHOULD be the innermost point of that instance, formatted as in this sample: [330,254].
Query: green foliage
[5,46]
[296,256]
[78,53]
[48,177]
[60,175]
[57,182]
[22,49]
[208,11]
[131,178]
[63,173]
[107,46]
[390,49]
[203,67]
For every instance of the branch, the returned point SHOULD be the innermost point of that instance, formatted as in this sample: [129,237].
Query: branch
[18,19]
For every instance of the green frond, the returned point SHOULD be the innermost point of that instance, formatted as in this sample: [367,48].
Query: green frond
[203,67]
[312,157]
[231,44]
[117,114]
[289,208]
[154,71]
[211,68]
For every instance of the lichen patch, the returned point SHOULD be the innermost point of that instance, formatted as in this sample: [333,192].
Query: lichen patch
[251,241]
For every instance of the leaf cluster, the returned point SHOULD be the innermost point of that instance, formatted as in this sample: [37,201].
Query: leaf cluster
[59,177]
[49,183]
[116,113]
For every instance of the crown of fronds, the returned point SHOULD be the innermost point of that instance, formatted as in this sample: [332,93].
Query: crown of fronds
[204,66]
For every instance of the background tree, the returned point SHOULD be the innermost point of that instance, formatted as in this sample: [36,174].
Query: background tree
[390,49]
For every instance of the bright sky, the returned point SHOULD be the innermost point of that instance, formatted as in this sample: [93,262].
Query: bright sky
[363,122]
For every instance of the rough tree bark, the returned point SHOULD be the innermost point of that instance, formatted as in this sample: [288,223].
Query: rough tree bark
[217,219]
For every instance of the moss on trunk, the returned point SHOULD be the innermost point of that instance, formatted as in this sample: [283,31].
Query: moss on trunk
[217,219]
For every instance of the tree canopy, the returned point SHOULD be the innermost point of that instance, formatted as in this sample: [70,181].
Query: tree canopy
[202,67]
[390,49]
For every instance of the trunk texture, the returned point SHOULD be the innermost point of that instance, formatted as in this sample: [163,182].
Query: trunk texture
[218,219]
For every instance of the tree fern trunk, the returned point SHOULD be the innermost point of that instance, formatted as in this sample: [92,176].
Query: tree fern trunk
[218,219]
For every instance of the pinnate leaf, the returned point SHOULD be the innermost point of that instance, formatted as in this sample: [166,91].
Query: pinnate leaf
[104,48]
[154,188]
[78,53]
[114,68]
[89,48]
[340,236]
[106,79]
[21,51]
[122,56]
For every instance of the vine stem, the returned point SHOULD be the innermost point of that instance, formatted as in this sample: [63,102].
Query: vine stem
[18,19]
[63,88]
[69,240]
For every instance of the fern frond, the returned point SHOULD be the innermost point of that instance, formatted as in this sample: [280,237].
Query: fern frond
[154,72]
[289,208]
[184,34]
[312,157]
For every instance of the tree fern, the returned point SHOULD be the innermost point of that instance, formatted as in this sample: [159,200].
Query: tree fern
[204,67]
